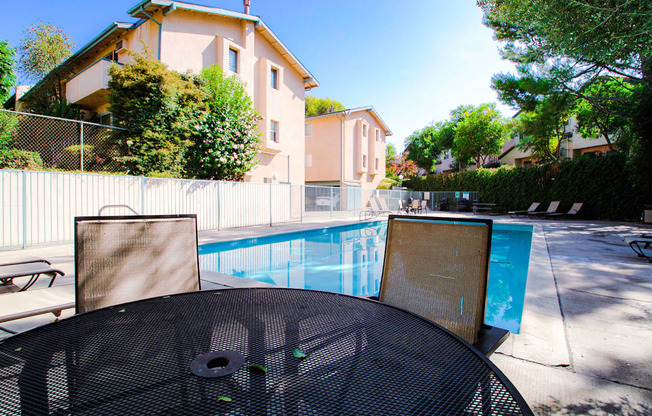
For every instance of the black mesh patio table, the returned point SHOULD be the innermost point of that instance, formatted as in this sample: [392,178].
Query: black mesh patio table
[258,351]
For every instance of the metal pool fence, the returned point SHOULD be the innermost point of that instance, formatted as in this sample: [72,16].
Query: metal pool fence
[38,208]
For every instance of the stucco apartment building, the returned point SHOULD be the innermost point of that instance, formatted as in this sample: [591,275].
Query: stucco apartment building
[190,37]
[346,148]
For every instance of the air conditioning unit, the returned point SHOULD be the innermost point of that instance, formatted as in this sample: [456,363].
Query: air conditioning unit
[120,46]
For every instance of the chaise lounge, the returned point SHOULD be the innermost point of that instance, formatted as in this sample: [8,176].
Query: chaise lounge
[33,268]
[641,245]
[532,209]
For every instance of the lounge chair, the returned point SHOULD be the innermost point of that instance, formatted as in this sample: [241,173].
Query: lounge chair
[532,209]
[33,268]
[127,258]
[571,213]
[641,245]
[438,268]
[371,212]
[383,205]
[552,208]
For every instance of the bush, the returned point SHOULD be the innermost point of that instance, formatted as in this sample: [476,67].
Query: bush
[387,183]
[20,159]
[603,184]
[71,157]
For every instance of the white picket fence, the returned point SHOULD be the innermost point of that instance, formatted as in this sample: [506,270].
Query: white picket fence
[38,208]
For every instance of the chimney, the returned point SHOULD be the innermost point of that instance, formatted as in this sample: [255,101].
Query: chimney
[247,3]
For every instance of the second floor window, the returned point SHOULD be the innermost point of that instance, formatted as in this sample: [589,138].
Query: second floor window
[273,131]
[273,78]
[308,129]
[233,60]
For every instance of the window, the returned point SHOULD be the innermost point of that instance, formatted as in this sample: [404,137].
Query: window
[377,135]
[233,60]
[377,163]
[273,78]
[364,161]
[308,161]
[308,129]
[273,131]
[364,130]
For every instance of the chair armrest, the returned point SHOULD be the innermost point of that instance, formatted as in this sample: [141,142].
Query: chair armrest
[490,338]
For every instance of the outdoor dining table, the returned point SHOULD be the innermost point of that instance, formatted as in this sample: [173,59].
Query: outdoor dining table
[255,351]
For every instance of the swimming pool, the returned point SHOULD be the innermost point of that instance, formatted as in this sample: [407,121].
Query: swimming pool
[349,259]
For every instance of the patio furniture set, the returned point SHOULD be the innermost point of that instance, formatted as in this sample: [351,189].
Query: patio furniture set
[139,345]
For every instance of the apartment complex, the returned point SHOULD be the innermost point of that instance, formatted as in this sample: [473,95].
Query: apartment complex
[346,148]
[189,37]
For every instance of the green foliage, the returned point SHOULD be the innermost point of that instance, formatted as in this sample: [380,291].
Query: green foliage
[160,107]
[71,157]
[225,139]
[42,49]
[387,183]
[603,184]
[610,115]
[7,76]
[20,159]
[480,133]
[316,106]
[8,123]
[472,133]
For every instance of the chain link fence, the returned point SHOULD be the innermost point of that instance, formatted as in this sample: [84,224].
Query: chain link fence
[62,144]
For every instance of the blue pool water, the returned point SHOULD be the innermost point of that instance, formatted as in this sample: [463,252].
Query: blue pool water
[349,260]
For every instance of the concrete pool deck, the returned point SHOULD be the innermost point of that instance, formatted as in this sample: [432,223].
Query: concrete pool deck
[586,332]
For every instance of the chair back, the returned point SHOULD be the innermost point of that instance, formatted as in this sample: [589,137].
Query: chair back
[415,203]
[424,203]
[127,258]
[575,208]
[383,203]
[374,204]
[533,207]
[553,207]
[437,267]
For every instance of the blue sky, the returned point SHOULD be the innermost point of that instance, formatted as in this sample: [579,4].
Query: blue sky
[413,61]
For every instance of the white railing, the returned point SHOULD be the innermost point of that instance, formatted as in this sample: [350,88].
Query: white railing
[38,208]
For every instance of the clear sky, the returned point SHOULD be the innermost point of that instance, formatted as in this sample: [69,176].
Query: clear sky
[414,61]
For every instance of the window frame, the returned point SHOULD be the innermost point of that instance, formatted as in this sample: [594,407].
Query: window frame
[274,131]
[235,61]
[274,75]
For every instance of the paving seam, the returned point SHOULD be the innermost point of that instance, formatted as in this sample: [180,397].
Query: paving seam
[561,306]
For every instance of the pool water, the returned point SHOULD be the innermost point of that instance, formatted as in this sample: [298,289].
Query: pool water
[349,260]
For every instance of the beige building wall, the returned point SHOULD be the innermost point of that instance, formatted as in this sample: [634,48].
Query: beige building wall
[192,40]
[346,148]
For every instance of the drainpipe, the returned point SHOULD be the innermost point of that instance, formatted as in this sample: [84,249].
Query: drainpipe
[346,113]
[160,26]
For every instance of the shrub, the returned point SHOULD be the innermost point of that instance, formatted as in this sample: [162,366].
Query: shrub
[387,183]
[20,159]
[71,157]
[603,184]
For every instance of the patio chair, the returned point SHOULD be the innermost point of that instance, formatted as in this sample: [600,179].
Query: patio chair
[126,258]
[571,213]
[438,268]
[641,245]
[532,209]
[552,208]
[33,268]
[383,205]
[424,205]
[415,207]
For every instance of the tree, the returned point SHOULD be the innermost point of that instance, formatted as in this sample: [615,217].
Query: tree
[574,43]
[160,107]
[425,145]
[7,76]
[480,133]
[42,50]
[614,118]
[316,106]
[225,138]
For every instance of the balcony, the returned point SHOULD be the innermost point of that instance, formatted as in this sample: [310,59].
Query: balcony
[90,87]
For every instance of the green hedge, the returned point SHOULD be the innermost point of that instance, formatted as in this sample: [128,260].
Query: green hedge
[603,184]
[20,159]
